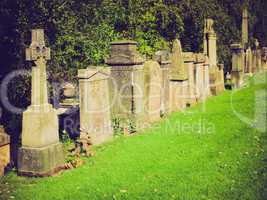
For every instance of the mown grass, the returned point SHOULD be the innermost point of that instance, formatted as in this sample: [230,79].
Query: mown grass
[175,159]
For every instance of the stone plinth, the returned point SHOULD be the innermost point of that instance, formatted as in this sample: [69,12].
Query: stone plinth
[152,90]
[41,153]
[4,150]
[127,77]
[189,60]
[95,117]
[237,65]
[163,58]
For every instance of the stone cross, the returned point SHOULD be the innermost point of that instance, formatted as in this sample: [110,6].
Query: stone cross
[39,54]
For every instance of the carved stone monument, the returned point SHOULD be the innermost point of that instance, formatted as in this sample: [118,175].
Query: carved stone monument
[41,153]
[95,117]
[237,65]
[4,150]
[178,78]
[127,80]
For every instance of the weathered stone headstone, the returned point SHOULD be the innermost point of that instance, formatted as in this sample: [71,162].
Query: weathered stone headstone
[163,58]
[127,77]
[152,90]
[178,71]
[237,65]
[189,59]
[178,78]
[41,153]
[4,150]
[95,116]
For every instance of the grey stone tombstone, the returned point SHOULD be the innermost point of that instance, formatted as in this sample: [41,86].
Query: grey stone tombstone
[237,65]
[4,150]
[95,116]
[127,77]
[41,153]
[178,79]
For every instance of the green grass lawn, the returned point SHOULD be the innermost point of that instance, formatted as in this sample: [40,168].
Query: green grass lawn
[206,152]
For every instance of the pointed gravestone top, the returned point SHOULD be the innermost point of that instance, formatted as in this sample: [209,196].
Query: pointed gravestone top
[178,70]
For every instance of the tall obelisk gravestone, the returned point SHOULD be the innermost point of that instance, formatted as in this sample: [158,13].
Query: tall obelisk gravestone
[41,153]
[245,27]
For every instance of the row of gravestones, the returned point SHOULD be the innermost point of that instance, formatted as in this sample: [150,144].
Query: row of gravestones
[131,89]
[247,62]
[245,59]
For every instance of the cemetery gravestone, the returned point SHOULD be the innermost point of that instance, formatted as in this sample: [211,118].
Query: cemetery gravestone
[41,153]
[95,117]
[237,65]
[178,78]
[4,150]
[127,77]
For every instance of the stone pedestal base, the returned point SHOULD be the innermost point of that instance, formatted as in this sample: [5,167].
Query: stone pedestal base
[39,162]
[40,126]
